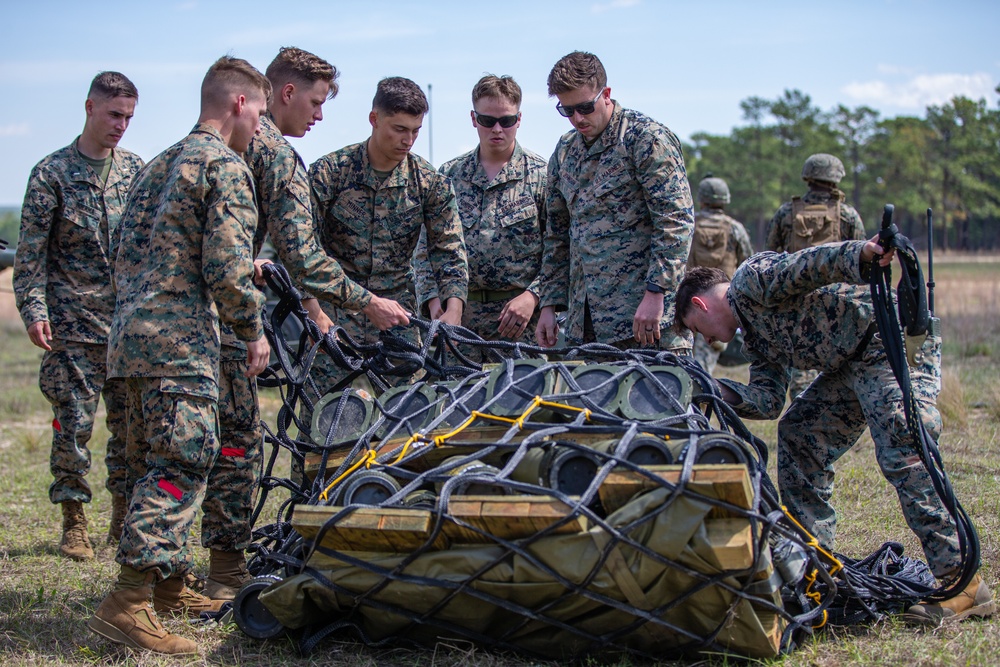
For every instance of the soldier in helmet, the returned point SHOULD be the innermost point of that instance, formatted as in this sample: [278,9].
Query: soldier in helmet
[819,216]
[718,242]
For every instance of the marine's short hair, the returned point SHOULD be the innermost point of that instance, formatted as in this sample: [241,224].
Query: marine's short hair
[497,87]
[396,94]
[229,75]
[108,85]
[696,282]
[577,70]
[293,65]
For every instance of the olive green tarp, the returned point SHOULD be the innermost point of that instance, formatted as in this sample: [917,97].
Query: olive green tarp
[675,599]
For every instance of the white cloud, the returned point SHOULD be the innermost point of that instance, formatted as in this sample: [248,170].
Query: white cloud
[600,8]
[15,130]
[921,90]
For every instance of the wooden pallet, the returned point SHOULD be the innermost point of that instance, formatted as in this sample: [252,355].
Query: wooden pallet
[728,482]
[402,530]
[507,517]
[382,529]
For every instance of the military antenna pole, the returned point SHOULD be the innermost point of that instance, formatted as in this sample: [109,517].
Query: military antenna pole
[430,124]
[930,262]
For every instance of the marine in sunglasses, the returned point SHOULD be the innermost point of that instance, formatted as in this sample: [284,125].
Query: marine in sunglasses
[619,219]
[500,188]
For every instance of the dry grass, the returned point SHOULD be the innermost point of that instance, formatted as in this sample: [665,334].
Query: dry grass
[45,600]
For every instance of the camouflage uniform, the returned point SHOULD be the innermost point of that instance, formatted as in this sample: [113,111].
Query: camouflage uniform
[285,217]
[619,215]
[62,275]
[779,239]
[738,248]
[372,228]
[796,311]
[504,222]
[184,261]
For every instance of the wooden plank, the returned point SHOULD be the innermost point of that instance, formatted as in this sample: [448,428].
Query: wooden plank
[507,517]
[728,482]
[731,541]
[369,529]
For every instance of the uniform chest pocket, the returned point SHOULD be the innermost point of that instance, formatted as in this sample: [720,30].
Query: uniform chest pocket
[612,177]
[406,220]
[519,212]
[83,216]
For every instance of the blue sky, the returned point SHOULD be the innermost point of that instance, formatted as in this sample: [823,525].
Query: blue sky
[687,64]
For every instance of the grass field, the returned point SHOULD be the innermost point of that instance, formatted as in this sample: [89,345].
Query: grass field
[45,600]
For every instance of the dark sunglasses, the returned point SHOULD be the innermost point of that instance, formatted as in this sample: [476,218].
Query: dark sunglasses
[490,121]
[584,108]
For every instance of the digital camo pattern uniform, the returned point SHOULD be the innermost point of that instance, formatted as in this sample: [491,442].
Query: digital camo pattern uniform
[797,312]
[503,221]
[619,215]
[285,217]
[782,237]
[719,242]
[62,274]
[372,228]
[184,262]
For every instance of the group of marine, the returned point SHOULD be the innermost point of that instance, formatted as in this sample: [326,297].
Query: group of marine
[138,282]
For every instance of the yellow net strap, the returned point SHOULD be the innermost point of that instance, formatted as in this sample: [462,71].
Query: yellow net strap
[836,565]
[369,459]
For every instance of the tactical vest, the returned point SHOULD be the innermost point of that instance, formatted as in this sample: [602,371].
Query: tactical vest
[710,243]
[814,224]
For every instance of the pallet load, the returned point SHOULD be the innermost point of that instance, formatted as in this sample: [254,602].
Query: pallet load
[548,523]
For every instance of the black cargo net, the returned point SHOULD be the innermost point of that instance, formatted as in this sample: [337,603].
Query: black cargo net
[557,503]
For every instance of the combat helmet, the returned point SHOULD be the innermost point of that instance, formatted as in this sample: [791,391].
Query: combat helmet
[823,167]
[713,190]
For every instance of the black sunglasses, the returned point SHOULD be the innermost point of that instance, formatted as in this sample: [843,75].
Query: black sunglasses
[584,108]
[490,121]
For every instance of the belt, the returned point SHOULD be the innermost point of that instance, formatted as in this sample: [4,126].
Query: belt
[488,295]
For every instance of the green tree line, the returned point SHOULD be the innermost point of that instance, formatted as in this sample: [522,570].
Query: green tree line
[948,161]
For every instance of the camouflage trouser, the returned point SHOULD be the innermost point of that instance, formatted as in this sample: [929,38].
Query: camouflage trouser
[705,354]
[799,380]
[173,431]
[827,419]
[234,479]
[73,377]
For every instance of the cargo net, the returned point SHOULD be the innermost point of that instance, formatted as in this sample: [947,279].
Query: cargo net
[555,503]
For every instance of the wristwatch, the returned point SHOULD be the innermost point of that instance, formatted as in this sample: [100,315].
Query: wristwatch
[653,287]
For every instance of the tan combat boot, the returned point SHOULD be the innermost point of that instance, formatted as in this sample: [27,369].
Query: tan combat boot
[227,572]
[975,601]
[119,508]
[125,617]
[75,542]
[172,596]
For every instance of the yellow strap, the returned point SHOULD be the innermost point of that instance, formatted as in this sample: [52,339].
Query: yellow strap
[367,460]
[370,458]
[836,566]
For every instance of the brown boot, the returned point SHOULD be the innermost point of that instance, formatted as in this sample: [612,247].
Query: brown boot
[125,617]
[975,601]
[119,507]
[75,542]
[171,596]
[227,572]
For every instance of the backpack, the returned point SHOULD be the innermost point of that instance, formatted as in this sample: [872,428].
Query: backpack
[710,243]
[814,224]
